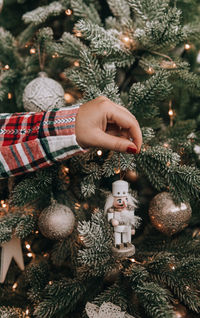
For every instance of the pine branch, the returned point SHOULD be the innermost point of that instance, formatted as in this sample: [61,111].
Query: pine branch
[32,187]
[11,312]
[142,95]
[80,9]
[42,13]
[62,295]
[119,8]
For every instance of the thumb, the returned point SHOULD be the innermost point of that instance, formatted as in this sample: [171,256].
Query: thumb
[115,143]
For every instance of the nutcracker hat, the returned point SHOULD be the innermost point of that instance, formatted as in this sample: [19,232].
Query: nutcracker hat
[120,188]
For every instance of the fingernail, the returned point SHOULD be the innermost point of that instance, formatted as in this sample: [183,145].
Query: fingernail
[131,150]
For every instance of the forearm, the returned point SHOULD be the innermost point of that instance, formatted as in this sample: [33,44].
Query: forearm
[30,141]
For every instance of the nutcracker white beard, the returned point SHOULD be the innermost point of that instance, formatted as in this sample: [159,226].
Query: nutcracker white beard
[110,200]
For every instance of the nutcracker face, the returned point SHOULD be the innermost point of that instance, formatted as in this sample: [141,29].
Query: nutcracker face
[120,202]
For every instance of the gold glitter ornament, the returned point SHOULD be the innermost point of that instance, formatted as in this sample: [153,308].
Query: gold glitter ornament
[56,221]
[167,217]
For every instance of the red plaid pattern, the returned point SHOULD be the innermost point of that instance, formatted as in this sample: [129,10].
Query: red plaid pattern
[30,141]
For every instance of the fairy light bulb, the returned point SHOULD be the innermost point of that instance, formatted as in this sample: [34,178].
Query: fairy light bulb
[132,260]
[6,67]
[10,95]
[14,286]
[68,12]
[99,152]
[50,282]
[78,33]
[55,55]
[66,169]
[187,46]
[32,50]
[150,70]
[171,113]
[117,170]
[30,254]
[27,311]
[68,98]
[36,232]
[126,39]
[76,63]
[28,246]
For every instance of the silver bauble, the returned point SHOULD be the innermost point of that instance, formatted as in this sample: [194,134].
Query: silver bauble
[42,94]
[167,217]
[56,221]
[1,5]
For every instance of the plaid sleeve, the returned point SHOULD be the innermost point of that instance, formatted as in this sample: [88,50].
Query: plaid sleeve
[30,141]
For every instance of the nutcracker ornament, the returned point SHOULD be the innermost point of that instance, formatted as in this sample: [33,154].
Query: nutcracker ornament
[120,207]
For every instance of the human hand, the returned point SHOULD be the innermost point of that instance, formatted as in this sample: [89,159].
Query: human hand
[102,123]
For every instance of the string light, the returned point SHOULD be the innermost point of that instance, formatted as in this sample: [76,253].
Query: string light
[68,98]
[99,152]
[66,169]
[132,260]
[27,311]
[166,145]
[150,70]
[81,238]
[50,282]
[77,33]
[68,12]
[126,39]
[116,170]
[77,206]
[28,246]
[32,50]
[187,46]
[171,113]
[55,55]
[3,204]
[14,286]
[10,95]
[76,63]
[6,67]
[168,64]
[172,266]
[30,254]
[36,232]
[168,163]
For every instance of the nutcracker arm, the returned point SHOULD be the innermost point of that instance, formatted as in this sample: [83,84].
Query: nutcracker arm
[110,216]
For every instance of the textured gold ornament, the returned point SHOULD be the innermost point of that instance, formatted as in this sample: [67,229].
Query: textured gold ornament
[56,221]
[167,217]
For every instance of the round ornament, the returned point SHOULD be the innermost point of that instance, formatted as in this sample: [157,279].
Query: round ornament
[42,94]
[167,217]
[56,221]
[1,5]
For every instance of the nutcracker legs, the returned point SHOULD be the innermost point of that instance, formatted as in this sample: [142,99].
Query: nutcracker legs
[122,238]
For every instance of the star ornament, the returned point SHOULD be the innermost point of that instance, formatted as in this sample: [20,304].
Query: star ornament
[10,249]
[106,310]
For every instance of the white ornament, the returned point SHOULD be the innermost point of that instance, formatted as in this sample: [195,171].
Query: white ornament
[56,221]
[120,207]
[197,149]
[11,249]
[106,310]
[1,5]
[198,57]
[42,94]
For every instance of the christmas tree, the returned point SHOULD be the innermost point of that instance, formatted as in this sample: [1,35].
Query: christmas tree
[145,56]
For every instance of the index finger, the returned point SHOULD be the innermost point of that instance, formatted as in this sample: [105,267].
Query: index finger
[124,119]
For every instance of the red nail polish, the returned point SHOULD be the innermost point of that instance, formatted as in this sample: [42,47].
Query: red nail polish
[131,150]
